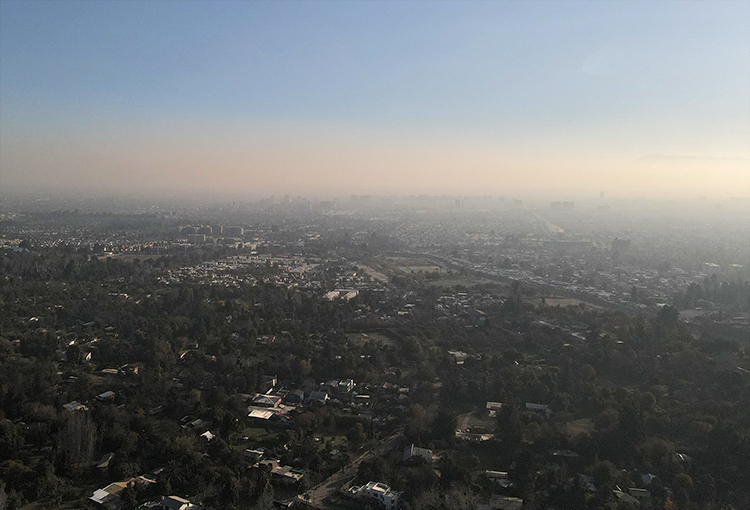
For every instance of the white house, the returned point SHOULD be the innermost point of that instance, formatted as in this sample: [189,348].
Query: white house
[376,491]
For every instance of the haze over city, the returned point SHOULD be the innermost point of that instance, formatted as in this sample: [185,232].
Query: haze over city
[374,255]
[635,99]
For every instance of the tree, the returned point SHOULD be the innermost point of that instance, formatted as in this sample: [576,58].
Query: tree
[444,425]
[668,316]
[129,497]
[76,442]
[509,425]
[683,484]
[356,434]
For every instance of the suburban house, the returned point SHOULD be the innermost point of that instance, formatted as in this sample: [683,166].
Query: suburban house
[538,409]
[254,455]
[268,382]
[379,492]
[109,498]
[493,408]
[345,386]
[74,406]
[499,478]
[294,397]
[176,503]
[413,453]
[642,495]
[107,395]
[284,474]
[318,397]
[261,400]
[458,356]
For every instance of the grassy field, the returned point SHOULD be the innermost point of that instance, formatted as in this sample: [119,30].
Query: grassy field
[362,338]
[413,266]
[260,435]
[130,257]
[423,269]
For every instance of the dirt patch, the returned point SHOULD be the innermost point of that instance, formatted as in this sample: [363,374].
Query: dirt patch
[475,422]
[575,427]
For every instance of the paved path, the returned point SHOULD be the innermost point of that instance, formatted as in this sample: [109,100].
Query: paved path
[316,496]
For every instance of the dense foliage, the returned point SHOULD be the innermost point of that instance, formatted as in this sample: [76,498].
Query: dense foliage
[630,396]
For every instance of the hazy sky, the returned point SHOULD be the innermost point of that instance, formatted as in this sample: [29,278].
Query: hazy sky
[377,97]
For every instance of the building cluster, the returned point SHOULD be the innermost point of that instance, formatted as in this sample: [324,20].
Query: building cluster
[110,497]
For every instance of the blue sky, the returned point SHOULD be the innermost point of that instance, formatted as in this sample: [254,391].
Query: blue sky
[616,80]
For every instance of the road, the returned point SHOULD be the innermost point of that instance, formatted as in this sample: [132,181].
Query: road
[462,423]
[500,275]
[316,497]
[551,227]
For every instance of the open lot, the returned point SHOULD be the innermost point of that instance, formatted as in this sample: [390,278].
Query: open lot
[374,337]
[423,269]
[475,421]
[575,427]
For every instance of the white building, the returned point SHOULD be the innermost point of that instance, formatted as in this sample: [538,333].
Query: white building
[177,503]
[376,491]
[493,408]
[711,269]
[735,269]
[459,356]
[414,452]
